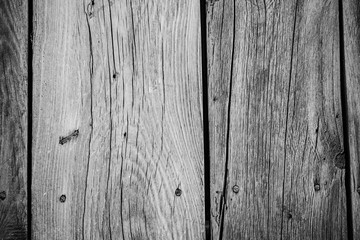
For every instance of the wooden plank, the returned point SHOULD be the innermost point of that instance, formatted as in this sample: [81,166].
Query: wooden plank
[120,83]
[277,162]
[351,33]
[13,118]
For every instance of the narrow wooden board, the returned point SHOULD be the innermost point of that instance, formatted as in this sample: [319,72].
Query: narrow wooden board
[121,81]
[351,27]
[13,118]
[277,162]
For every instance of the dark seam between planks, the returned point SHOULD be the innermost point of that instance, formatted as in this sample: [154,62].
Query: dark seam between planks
[287,117]
[223,197]
[345,118]
[206,129]
[29,119]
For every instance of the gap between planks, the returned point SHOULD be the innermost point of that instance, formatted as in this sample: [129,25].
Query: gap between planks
[345,118]
[206,127]
[30,108]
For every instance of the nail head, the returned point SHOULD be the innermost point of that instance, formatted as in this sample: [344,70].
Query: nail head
[62,198]
[236,189]
[178,192]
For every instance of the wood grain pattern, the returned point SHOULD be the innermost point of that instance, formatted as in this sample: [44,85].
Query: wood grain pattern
[351,28]
[277,162]
[13,118]
[120,83]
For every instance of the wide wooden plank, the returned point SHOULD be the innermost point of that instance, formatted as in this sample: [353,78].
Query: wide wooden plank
[13,118]
[277,162]
[351,33]
[118,149]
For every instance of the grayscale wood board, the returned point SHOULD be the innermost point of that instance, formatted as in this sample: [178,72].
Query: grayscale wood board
[118,148]
[351,24]
[13,118]
[276,138]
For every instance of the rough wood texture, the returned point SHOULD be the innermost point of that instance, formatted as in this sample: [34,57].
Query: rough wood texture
[13,118]
[277,162]
[351,27]
[120,83]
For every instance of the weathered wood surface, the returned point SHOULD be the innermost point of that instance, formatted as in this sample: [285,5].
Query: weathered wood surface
[120,83]
[351,28]
[13,118]
[277,162]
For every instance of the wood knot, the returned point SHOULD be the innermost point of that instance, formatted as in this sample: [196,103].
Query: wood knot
[317,187]
[236,189]
[340,160]
[178,192]
[340,163]
[90,9]
[62,198]
[2,195]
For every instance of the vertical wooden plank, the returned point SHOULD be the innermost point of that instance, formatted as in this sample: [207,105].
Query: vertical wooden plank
[61,118]
[13,118]
[351,33]
[275,117]
[121,79]
[149,52]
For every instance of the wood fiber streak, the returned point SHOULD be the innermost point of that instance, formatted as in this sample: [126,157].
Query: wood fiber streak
[351,19]
[276,138]
[13,118]
[127,75]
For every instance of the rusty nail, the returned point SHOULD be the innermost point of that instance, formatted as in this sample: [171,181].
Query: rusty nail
[63,140]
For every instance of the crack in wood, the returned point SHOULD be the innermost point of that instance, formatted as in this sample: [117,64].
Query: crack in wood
[287,115]
[223,203]
[91,71]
